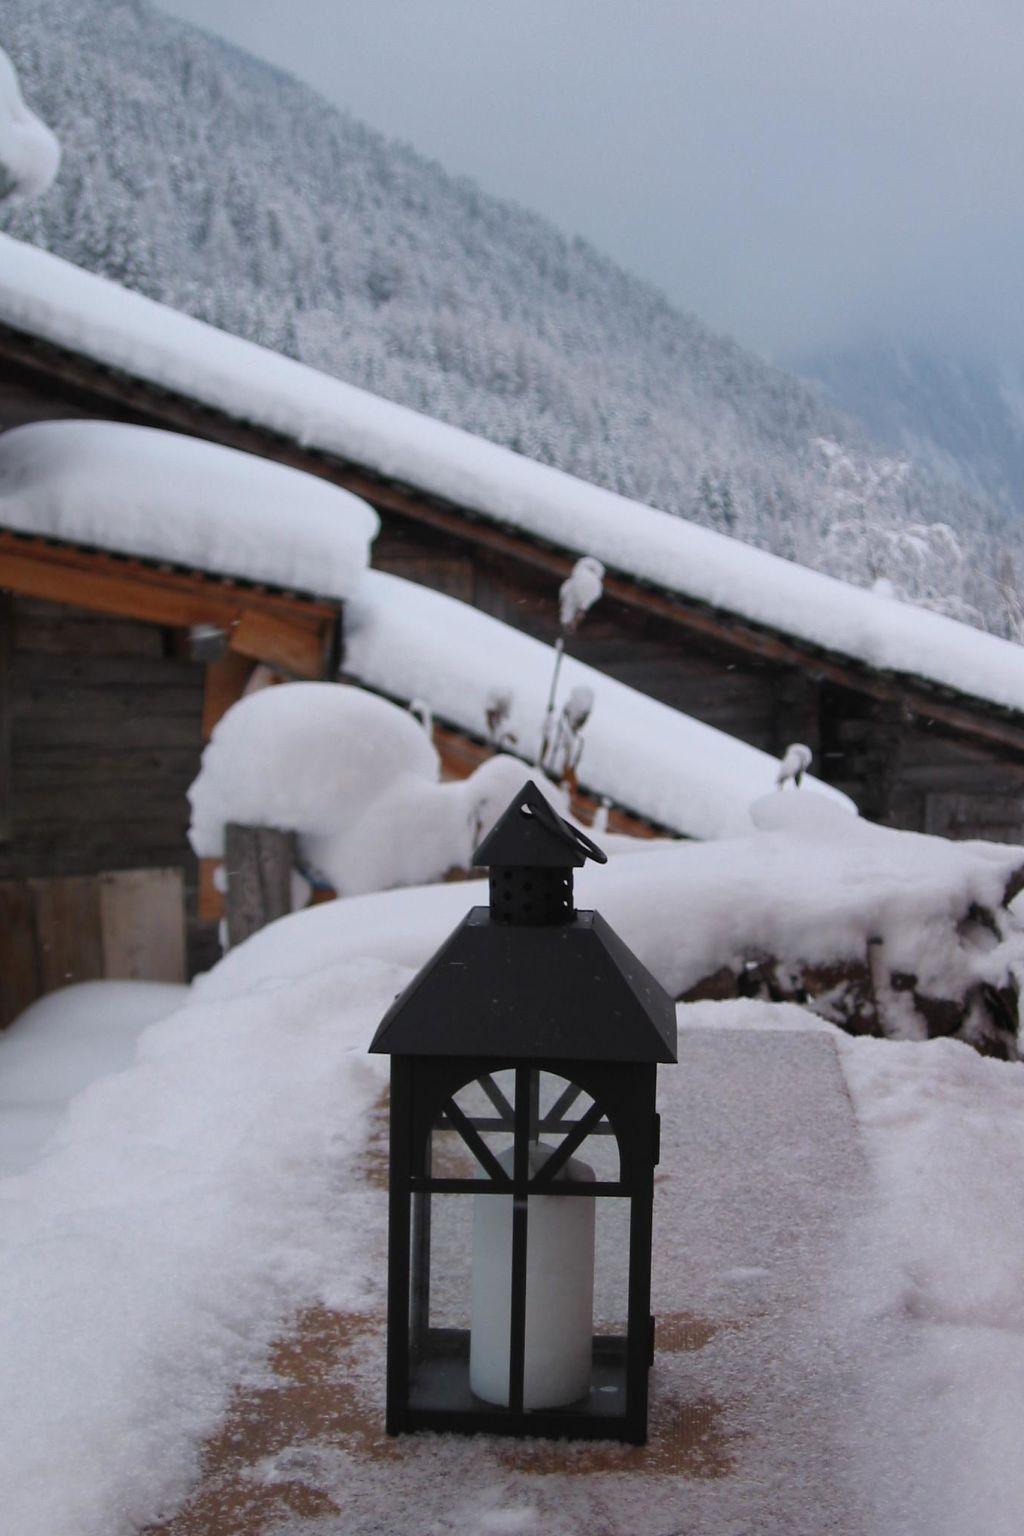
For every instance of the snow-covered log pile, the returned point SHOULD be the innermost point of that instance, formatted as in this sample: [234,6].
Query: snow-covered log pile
[29,152]
[881,932]
[356,778]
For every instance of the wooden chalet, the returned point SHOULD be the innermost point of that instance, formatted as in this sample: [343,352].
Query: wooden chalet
[113,672]
[910,752]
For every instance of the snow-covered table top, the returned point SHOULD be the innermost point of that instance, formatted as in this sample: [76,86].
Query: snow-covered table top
[744,1413]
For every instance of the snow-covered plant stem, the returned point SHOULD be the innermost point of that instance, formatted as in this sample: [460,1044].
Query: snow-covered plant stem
[548,730]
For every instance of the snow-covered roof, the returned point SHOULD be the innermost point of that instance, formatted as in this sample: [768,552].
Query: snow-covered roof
[29,151]
[165,496]
[411,642]
[50,299]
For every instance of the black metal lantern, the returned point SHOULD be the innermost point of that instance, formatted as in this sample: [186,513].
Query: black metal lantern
[524,1139]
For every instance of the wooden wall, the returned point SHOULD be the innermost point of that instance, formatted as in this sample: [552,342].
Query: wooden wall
[899,769]
[105,736]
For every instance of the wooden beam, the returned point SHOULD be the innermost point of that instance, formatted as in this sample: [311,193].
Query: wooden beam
[292,633]
[298,649]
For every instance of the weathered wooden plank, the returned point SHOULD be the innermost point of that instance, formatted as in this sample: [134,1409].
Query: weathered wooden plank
[130,731]
[797,709]
[60,848]
[445,572]
[258,862]
[121,673]
[56,764]
[68,931]
[992,778]
[6,706]
[19,964]
[297,648]
[64,698]
[142,923]
[55,629]
[972,815]
[118,800]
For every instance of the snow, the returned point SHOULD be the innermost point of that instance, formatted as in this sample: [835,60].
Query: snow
[355,777]
[410,642]
[189,1203]
[49,298]
[29,152]
[932,1281]
[811,884]
[839,1219]
[580,591]
[305,757]
[168,497]
[62,1043]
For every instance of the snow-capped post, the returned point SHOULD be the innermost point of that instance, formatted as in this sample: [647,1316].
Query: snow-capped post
[567,746]
[524,1140]
[795,762]
[421,711]
[258,864]
[576,596]
[497,710]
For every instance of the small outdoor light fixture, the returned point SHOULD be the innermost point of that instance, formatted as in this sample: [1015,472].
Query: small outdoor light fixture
[524,1140]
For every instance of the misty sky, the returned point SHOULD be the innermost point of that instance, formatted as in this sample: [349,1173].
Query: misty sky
[794,171]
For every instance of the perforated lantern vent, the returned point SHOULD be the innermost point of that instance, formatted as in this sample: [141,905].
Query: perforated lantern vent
[521,896]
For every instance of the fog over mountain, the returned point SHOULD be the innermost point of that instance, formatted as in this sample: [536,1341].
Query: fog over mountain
[219,185]
[959,410]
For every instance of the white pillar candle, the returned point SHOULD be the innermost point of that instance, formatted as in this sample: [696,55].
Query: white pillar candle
[559,1291]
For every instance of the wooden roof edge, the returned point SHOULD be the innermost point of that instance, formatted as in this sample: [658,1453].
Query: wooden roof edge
[314,604]
[922,696]
[478,740]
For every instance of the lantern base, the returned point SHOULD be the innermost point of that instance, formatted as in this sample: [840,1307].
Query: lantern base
[440,1398]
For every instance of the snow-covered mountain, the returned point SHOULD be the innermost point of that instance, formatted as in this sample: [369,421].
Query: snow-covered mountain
[963,415]
[221,186]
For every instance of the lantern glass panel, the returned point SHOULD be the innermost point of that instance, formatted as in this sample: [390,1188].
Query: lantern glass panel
[571,1297]
[440,1302]
[488,1103]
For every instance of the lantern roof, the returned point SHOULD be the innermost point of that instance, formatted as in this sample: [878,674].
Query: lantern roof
[574,991]
[532,835]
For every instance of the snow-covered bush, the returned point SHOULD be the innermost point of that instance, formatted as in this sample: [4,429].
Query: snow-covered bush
[355,777]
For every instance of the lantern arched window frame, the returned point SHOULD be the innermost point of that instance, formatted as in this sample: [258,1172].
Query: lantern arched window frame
[553,993]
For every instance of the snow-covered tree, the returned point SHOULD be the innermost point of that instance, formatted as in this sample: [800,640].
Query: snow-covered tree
[217,185]
[29,152]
